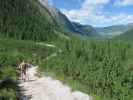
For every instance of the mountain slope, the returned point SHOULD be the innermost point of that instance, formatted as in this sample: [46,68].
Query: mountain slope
[86,30]
[29,19]
[25,19]
[61,20]
[66,25]
[126,36]
[112,31]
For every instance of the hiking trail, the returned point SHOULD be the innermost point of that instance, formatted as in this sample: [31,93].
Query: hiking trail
[47,88]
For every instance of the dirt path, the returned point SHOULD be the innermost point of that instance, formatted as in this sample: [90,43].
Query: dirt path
[46,88]
[45,44]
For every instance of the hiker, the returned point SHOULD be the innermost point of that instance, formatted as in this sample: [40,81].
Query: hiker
[23,70]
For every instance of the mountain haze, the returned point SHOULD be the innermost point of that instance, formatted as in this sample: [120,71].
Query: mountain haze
[128,35]
[112,31]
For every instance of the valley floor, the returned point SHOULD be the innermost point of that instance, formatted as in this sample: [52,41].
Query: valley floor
[46,88]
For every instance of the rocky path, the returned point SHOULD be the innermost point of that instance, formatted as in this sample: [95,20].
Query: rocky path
[46,88]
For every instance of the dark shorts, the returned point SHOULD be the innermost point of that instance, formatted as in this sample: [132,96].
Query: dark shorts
[24,71]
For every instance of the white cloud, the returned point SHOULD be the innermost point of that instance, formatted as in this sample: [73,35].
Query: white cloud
[87,10]
[95,2]
[123,2]
[91,12]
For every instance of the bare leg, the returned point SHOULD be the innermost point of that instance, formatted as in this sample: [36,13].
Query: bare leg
[21,75]
[25,75]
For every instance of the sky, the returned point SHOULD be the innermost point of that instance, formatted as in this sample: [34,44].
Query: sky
[96,12]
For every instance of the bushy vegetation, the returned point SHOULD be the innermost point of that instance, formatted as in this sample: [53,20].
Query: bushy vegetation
[12,52]
[101,68]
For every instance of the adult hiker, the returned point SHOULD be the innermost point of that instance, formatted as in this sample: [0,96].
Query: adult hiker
[24,70]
